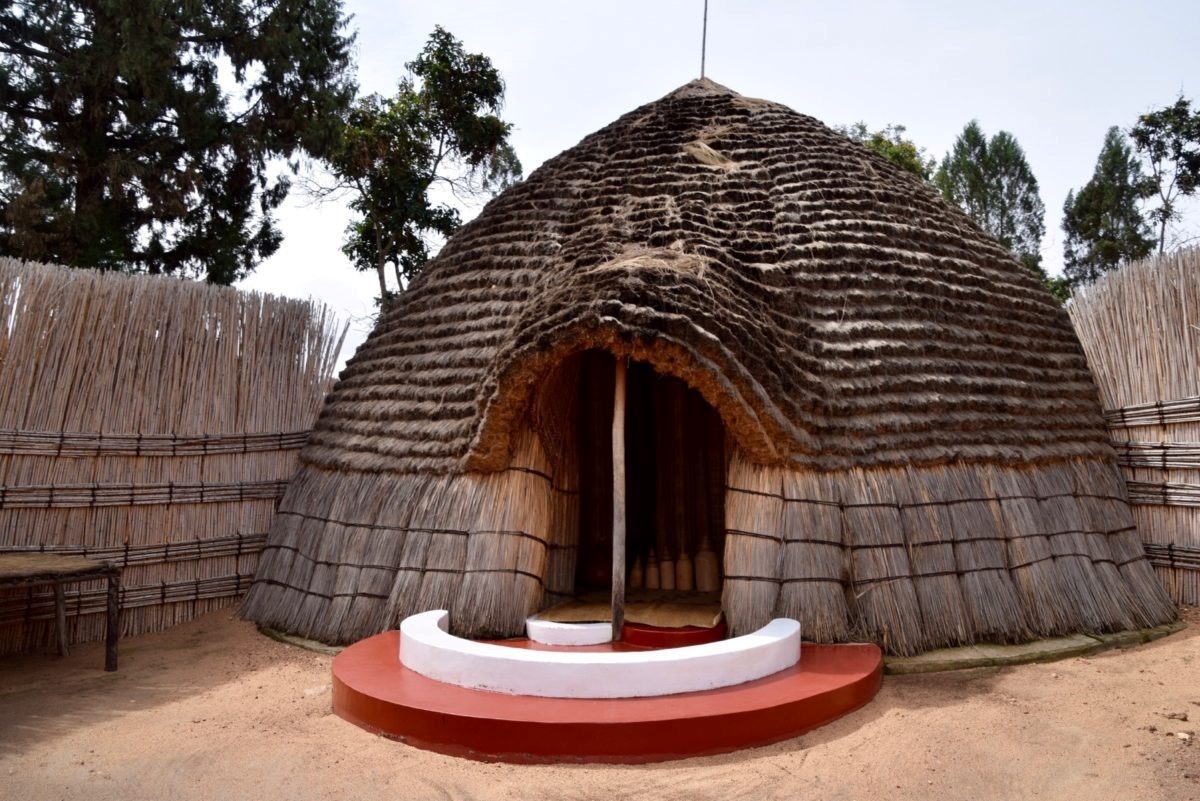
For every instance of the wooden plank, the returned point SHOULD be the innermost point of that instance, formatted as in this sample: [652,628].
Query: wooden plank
[618,504]
[17,569]
[60,618]
[112,625]
[680,468]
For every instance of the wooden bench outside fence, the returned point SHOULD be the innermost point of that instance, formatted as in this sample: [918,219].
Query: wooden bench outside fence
[40,569]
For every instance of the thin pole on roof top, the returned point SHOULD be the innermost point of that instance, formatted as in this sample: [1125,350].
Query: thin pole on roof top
[704,39]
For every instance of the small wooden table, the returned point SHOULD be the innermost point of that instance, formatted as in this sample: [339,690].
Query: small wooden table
[33,569]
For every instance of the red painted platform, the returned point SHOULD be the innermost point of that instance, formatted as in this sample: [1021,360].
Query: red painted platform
[635,637]
[373,690]
[659,637]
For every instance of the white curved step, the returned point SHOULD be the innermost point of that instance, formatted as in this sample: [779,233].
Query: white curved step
[551,632]
[427,647]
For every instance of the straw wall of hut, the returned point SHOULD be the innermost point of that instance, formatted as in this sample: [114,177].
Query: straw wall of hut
[879,419]
[1138,327]
[149,422]
[482,545]
[922,557]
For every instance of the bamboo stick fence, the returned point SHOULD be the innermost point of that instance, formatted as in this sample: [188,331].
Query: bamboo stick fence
[1140,329]
[149,422]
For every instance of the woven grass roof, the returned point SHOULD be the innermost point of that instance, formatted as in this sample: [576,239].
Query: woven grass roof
[832,307]
[918,455]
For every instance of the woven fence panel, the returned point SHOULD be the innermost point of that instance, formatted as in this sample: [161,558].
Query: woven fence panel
[151,423]
[1138,327]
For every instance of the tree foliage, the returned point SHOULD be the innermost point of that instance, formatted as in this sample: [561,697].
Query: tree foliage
[890,143]
[1103,224]
[121,146]
[442,128]
[1169,139]
[992,182]
[963,176]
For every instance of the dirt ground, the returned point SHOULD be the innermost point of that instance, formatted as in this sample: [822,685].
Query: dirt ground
[214,710]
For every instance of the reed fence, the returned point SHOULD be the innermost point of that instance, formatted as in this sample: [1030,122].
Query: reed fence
[149,422]
[1140,329]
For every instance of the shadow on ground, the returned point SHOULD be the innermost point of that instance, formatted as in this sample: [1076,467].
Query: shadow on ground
[43,696]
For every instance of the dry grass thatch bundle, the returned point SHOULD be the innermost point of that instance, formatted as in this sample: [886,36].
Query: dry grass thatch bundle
[940,555]
[153,423]
[1140,328]
[889,419]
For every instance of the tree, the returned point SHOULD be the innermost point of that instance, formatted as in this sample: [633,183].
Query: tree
[441,128]
[992,182]
[1102,223]
[890,143]
[142,135]
[1169,139]
[963,176]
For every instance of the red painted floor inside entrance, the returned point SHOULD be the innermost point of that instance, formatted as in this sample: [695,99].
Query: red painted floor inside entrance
[659,637]
[373,690]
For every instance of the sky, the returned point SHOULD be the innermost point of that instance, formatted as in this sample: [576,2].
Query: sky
[1056,75]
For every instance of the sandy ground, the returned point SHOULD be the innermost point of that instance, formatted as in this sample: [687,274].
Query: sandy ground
[213,710]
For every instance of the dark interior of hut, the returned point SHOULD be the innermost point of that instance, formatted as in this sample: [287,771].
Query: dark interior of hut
[675,455]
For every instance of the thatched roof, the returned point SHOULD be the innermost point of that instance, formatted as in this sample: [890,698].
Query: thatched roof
[918,453]
[832,307]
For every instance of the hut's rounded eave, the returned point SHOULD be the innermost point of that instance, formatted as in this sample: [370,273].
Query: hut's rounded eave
[745,410]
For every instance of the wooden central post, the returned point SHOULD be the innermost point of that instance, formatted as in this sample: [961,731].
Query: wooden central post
[618,504]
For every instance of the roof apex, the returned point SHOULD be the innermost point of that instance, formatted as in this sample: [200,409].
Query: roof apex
[700,87]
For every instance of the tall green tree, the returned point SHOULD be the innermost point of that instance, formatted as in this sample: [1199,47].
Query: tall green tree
[142,135]
[991,181]
[442,128]
[1169,139]
[1103,223]
[891,143]
[964,175]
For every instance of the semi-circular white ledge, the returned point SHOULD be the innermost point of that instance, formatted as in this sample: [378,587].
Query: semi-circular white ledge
[550,632]
[427,647]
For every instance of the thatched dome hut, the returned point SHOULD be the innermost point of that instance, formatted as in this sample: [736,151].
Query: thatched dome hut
[878,417]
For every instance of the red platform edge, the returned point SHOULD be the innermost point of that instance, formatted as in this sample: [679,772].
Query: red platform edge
[371,689]
[649,636]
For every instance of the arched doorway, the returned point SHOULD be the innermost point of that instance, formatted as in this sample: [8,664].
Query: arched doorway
[675,463]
